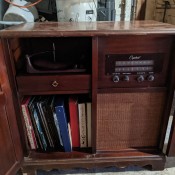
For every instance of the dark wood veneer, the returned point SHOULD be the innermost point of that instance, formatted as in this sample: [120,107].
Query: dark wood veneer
[45,83]
[10,143]
[96,39]
[83,29]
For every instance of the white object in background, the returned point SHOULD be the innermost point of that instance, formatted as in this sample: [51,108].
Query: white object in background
[118,10]
[14,13]
[76,10]
[128,10]
[126,14]
[11,22]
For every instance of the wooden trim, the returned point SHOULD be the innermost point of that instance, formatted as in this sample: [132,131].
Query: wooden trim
[83,29]
[171,143]
[14,169]
[94,89]
[128,90]
[99,160]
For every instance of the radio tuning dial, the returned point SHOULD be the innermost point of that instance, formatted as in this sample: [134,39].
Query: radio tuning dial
[126,78]
[150,78]
[116,79]
[140,78]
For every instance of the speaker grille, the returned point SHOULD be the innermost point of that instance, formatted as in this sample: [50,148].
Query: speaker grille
[126,120]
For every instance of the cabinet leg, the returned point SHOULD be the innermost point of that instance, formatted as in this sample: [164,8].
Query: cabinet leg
[32,172]
[158,166]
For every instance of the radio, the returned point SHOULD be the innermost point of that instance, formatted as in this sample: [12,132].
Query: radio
[132,61]
[142,66]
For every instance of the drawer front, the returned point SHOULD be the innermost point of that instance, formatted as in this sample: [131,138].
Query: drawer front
[29,84]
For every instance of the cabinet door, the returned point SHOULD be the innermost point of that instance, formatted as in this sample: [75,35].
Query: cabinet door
[10,146]
[7,153]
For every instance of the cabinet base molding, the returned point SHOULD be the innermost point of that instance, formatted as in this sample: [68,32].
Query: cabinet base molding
[154,162]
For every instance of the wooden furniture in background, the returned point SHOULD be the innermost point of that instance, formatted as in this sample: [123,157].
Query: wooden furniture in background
[159,10]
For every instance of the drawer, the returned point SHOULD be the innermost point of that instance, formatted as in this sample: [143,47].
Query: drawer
[31,84]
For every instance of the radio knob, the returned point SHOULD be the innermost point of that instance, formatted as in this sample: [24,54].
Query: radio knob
[116,79]
[140,78]
[150,78]
[126,78]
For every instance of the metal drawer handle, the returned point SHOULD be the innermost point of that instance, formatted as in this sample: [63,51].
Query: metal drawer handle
[55,84]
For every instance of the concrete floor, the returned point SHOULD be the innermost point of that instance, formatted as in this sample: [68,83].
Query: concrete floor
[113,170]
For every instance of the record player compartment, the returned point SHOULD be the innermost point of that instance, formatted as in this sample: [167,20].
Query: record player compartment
[57,55]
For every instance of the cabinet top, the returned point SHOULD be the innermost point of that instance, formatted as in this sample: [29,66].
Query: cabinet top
[53,29]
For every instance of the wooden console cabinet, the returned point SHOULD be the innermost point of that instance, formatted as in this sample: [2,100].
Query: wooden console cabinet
[130,79]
